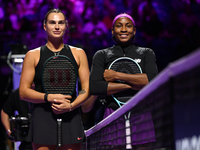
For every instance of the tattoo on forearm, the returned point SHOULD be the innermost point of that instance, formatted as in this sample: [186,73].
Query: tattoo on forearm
[82,91]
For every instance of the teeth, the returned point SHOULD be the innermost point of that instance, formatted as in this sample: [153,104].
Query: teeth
[123,35]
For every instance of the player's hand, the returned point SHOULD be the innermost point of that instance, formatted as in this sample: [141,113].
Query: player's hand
[60,106]
[11,137]
[52,97]
[109,75]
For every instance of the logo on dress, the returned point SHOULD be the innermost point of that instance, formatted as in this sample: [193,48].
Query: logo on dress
[138,60]
[79,138]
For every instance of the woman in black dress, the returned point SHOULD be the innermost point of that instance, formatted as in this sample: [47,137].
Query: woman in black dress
[43,130]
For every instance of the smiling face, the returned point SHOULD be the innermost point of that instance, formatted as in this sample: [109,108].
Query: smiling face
[123,31]
[55,25]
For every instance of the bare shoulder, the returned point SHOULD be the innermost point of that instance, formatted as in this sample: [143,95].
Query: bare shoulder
[33,52]
[79,54]
[33,56]
[76,49]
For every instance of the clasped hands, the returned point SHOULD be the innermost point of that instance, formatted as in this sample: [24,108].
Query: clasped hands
[60,103]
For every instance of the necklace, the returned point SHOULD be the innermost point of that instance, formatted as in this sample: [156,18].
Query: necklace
[56,53]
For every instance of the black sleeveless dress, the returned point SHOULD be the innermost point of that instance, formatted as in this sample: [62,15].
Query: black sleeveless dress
[43,123]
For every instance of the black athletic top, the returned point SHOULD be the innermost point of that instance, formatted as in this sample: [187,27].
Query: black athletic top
[145,57]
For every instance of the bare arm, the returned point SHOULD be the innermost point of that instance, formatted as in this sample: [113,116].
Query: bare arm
[84,80]
[88,104]
[116,87]
[27,76]
[5,121]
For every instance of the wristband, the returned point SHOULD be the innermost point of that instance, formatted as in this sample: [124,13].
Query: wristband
[8,131]
[70,109]
[45,98]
